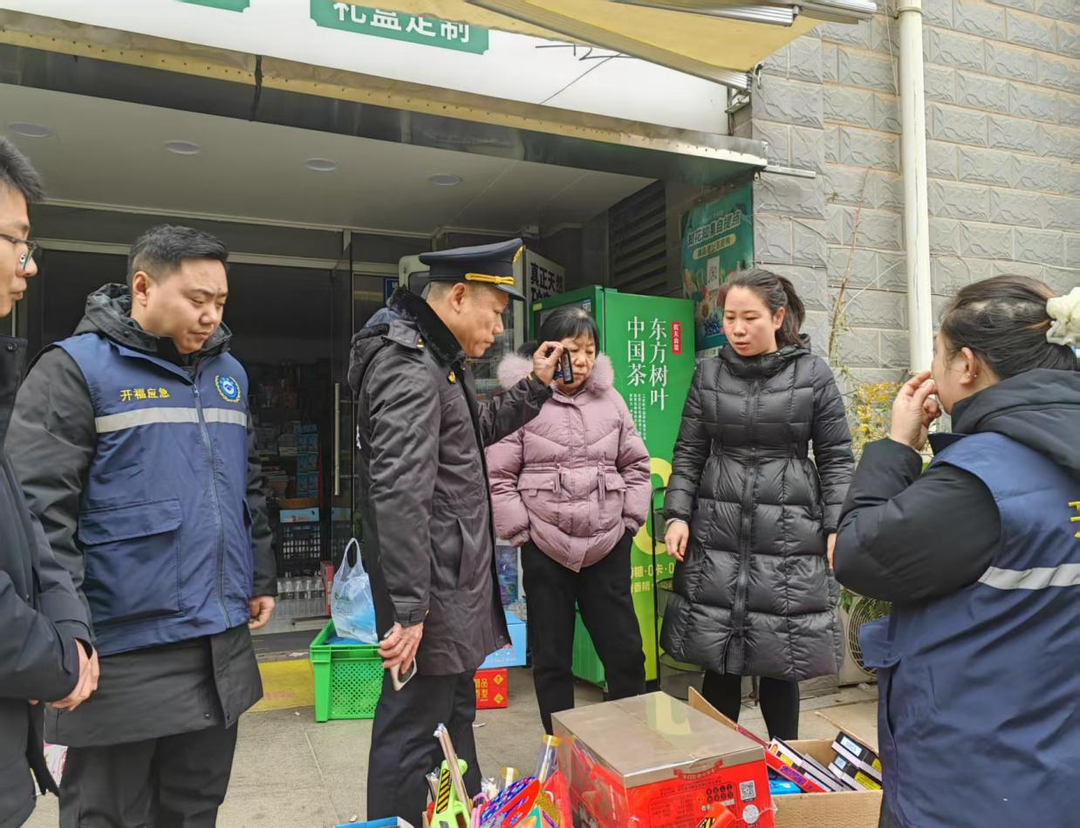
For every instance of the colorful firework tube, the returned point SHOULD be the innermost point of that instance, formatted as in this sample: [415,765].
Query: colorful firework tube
[443,735]
[507,777]
[545,764]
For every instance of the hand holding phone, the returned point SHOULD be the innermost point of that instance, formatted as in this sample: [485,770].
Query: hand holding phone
[398,679]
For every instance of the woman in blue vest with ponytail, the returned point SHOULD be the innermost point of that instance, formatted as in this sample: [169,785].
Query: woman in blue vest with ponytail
[979,663]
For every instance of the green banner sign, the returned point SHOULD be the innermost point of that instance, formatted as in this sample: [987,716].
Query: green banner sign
[427,31]
[227,5]
[651,344]
[718,239]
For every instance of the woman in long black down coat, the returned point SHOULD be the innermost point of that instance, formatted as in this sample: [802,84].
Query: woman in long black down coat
[751,518]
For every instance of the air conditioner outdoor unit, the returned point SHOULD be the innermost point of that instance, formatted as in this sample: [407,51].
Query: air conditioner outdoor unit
[853,670]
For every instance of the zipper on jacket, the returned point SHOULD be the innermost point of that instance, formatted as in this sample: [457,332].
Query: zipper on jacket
[746,519]
[214,494]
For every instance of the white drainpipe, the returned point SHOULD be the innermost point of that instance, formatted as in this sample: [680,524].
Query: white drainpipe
[913,169]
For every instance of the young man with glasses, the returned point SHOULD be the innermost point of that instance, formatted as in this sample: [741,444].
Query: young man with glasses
[45,654]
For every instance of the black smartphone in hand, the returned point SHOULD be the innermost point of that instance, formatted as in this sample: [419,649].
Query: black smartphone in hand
[565,371]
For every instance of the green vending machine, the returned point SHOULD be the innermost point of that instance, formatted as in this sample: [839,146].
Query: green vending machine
[650,340]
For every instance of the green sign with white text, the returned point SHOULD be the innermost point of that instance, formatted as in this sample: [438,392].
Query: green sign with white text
[227,5]
[410,28]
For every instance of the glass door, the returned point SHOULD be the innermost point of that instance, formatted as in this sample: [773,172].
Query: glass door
[342,480]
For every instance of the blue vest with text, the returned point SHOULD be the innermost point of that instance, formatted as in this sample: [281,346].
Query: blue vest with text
[164,525]
[978,721]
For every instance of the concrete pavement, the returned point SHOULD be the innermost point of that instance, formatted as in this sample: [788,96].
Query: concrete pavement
[290,772]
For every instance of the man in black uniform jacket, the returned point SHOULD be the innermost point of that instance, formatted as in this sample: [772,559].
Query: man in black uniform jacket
[428,529]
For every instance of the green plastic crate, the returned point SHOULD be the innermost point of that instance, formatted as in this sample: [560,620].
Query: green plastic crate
[348,678]
[586,662]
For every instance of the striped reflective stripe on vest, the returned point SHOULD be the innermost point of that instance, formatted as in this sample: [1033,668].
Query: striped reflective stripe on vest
[1043,577]
[168,416]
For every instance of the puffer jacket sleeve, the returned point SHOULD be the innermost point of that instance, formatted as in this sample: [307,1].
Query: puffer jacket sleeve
[832,446]
[691,451]
[635,466]
[505,460]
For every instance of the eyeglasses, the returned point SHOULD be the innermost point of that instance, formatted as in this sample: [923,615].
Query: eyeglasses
[31,248]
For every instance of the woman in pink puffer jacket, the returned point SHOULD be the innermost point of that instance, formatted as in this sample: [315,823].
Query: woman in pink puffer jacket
[572,489]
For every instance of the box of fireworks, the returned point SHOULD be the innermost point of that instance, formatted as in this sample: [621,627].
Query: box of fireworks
[811,767]
[391,822]
[854,809]
[306,463]
[299,515]
[849,770]
[653,762]
[492,690]
[775,764]
[859,755]
[513,654]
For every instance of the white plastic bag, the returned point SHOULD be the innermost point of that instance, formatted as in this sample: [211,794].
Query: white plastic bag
[351,605]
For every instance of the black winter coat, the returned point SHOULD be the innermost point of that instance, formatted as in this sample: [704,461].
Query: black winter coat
[429,541]
[41,621]
[754,596]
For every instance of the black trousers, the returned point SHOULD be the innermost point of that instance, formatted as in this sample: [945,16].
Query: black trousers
[404,749]
[602,593]
[173,782]
[779,701]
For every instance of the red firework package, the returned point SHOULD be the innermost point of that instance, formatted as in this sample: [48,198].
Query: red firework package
[652,762]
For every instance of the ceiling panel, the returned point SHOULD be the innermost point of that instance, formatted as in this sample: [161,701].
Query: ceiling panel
[113,153]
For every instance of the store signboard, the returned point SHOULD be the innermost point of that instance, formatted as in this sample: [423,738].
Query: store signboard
[542,277]
[717,240]
[227,5]
[498,64]
[425,30]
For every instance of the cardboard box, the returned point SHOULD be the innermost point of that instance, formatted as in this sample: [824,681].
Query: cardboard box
[857,809]
[513,654]
[492,690]
[652,762]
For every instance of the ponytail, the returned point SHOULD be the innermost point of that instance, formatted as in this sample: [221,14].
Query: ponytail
[1005,322]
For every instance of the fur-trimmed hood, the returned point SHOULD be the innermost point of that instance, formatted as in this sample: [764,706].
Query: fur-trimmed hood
[514,368]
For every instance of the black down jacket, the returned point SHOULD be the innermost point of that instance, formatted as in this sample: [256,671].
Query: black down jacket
[41,619]
[754,596]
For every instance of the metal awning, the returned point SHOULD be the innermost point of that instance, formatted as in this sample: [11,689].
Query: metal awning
[720,40]
[114,64]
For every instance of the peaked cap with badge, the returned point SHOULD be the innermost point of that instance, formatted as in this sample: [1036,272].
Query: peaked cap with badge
[490,264]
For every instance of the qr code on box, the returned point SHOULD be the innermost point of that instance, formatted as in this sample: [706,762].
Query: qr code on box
[747,791]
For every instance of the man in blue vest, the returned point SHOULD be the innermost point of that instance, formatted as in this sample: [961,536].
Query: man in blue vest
[45,652]
[133,443]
